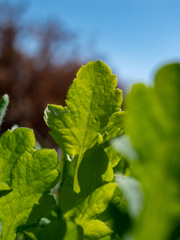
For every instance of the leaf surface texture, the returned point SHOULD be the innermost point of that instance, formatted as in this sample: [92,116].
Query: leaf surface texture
[92,114]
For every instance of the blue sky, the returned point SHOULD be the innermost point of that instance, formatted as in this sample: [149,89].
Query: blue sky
[134,37]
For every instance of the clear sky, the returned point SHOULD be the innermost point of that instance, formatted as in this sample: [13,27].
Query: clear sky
[134,37]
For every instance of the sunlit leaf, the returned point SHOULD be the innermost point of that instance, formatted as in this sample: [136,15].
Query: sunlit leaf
[92,114]
[31,176]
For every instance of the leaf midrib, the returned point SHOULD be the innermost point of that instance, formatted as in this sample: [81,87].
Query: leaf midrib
[76,183]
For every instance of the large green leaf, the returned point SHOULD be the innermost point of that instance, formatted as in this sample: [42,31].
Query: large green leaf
[4,101]
[31,176]
[153,126]
[92,114]
[85,211]
[12,145]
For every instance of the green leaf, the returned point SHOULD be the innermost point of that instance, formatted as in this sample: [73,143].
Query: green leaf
[4,101]
[45,205]
[94,169]
[12,145]
[153,126]
[113,155]
[116,216]
[86,211]
[67,197]
[95,229]
[31,176]
[61,230]
[33,227]
[114,158]
[92,114]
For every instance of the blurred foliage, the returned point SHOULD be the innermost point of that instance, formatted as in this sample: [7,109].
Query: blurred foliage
[153,126]
[151,151]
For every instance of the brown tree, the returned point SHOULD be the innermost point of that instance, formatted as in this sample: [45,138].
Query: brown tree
[33,80]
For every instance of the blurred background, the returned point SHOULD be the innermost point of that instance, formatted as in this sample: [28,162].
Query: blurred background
[43,44]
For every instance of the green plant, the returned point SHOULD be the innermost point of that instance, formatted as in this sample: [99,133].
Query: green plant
[90,203]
